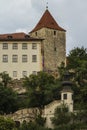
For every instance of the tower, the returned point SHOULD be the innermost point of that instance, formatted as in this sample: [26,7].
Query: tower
[54,41]
[67,93]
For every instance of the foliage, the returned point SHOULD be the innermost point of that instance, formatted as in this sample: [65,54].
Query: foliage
[39,89]
[5,79]
[77,61]
[61,70]
[8,100]
[32,126]
[40,120]
[6,124]
[61,116]
[76,57]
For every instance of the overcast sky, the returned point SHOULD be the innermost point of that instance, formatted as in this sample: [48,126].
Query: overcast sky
[23,15]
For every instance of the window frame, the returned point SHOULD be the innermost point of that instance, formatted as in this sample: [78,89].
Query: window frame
[14,58]
[14,73]
[65,96]
[34,58]
[55,33]
[15,46]
[24,73]
[34,46]
[5,46]
[5,58]
[24,58]
[24,46]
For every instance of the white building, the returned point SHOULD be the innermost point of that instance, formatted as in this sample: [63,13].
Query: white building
[20,55]
[66,98]
[28,114]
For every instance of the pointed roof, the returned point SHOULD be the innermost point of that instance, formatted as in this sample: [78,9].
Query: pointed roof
[47,21]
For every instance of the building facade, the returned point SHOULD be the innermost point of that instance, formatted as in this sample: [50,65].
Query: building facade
[44,48]
[29,114]
[54,43]
[20,55]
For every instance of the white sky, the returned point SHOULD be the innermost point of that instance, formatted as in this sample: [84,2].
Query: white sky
[23,15]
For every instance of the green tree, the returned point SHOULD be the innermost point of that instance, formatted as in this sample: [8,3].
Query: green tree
[61,116]
[77,61]
[5,79]
[6,124]
[39,89]
[76,57]
[8,100]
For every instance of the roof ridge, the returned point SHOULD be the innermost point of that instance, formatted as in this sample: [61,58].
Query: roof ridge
[48,21]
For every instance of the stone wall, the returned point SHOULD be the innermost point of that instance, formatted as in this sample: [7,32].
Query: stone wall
[54,47]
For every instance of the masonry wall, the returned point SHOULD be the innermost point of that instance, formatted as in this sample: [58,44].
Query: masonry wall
[54,47]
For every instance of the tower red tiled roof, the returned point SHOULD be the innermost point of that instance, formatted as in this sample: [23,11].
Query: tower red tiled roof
[47,21]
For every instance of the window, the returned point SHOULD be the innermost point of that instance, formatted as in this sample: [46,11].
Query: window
[34,72]
[24,73]
[5,45]
[14,73]
[36,33]
[54,32]
[34,58]
[5,72]
[34,46]
[14,58]
[5,58]
[24,58]
[24,45]
[64,96]
[54,48]
[15,46]
[9,37]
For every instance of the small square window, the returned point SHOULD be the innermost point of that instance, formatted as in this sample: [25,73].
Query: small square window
[34,46]
[15,46]
[5,45]
[34,58]
[34,72]
[14,58]
[14,73]
[24,45]
[24,73]
[24,58]
[5,58]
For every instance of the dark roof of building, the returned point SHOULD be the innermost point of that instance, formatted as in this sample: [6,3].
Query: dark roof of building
[17,36]
[67,89]
[47,21]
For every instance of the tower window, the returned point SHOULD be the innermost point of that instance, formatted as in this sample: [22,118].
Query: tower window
[54,48]
[64,96]
[54,32]
[36,33]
